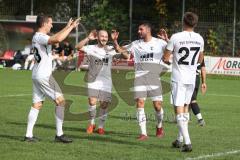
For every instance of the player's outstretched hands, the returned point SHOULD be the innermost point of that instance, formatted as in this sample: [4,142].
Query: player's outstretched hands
[162,34]
[72,23]
[114,35]
[92,35]
[204,88]
[76,22]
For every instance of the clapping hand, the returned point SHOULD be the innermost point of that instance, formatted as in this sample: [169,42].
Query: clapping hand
[92,35]
[162,34]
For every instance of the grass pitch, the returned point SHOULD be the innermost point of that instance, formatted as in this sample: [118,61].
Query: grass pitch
[219,139]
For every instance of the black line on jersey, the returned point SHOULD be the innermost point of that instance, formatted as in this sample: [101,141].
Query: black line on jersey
[46,49]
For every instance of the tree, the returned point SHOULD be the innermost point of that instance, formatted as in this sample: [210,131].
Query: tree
[108,17]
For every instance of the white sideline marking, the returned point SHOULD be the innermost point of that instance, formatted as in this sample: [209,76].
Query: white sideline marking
[20,95]
[223,95]
[214,155]
[14,95]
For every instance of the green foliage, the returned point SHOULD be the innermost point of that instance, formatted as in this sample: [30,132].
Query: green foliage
[219,40]
[161,6]
[212,42]
[105,16]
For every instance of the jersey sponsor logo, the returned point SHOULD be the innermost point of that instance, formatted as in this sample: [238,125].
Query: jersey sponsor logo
[103,61]
[146,57]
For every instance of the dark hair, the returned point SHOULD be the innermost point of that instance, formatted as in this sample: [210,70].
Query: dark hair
[41,19]
[147,24]
[190,19]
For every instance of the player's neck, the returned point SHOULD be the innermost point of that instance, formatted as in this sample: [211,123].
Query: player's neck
[100,45]
[147,38]
[42,30]
[188,29]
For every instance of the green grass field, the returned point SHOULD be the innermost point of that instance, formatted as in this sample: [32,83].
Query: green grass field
[219,139]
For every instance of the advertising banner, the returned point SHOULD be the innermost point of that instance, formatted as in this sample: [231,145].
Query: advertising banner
[222,65]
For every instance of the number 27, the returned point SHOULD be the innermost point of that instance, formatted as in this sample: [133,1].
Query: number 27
[183,58]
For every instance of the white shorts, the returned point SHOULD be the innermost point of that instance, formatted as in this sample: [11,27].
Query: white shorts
[156,98]
[45,87]
[30,57]
[144,92]
[181,94]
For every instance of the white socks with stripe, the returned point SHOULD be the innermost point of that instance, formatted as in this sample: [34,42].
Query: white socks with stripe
[182,122]
[141,118]
[32,118]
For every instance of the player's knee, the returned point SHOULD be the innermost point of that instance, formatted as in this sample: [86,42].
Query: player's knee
[60,101]
[104,105]
[157,105]
[37,105]
[92,101]
[140,103]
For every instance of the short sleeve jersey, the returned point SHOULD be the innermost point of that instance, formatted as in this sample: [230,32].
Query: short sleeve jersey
[146,53]
[100,62]
[42,55]
[186,47]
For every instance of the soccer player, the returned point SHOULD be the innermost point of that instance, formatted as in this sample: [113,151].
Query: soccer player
[187,49]
[100,58]
[194,105]
[43,82]
[147,53]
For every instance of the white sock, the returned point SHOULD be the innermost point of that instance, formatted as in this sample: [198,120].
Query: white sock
[54,65]
[102,117]
[159,117]
[182,121]
[199,116]
[26,65]
[92,114]
[141,117]
[59,116]
[180,136]
[31,66]
[32,118]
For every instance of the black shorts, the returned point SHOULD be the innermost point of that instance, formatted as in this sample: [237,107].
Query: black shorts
[195,92]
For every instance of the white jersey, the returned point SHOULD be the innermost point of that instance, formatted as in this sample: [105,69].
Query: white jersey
[100,62]
[185,47]
[43,56]
[146,53]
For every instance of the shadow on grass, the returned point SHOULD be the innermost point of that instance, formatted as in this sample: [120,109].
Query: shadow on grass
[107,139]
[82,130]
[11,137]
[48,126]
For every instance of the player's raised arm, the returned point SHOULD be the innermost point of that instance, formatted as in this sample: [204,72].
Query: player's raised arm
[162,34]
[119,49]
[92,36]
[61,35]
